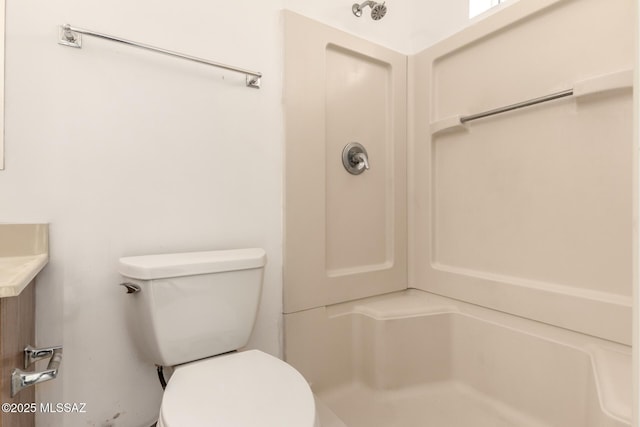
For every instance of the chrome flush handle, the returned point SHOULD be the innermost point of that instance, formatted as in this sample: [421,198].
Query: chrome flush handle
[132,288]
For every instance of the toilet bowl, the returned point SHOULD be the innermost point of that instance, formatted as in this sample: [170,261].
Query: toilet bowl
[193,311]
[245,389]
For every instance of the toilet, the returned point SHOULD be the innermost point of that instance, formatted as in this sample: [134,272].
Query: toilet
[193,311]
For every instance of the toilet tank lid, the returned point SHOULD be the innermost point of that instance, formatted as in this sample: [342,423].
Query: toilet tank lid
[159,266]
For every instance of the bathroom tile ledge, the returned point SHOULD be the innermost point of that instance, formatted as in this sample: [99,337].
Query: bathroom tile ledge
[18,271]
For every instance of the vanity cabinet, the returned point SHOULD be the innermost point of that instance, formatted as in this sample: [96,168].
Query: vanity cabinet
[24,252]
[17,330]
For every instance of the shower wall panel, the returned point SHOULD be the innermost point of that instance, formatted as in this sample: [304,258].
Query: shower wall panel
[528,212]
[345,235]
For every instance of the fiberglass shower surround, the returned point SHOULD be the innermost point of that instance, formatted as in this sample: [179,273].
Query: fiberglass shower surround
[520,215]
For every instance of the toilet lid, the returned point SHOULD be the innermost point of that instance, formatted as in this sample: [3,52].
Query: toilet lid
[246,389]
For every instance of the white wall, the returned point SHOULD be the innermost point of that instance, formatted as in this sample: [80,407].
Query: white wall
[408,27]
[392,31]
[432,21]
[127,152]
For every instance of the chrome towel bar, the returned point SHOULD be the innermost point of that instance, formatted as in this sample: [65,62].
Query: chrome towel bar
[516,106]
[596,84]
[71,36]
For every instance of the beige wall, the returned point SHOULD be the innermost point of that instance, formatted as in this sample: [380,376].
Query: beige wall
[528,212]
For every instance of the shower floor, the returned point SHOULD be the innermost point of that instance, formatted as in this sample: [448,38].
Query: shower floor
[444,404]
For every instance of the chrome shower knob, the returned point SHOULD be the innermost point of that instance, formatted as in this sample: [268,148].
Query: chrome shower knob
[355,158]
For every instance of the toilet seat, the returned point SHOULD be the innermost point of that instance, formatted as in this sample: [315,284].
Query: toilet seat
[246,389]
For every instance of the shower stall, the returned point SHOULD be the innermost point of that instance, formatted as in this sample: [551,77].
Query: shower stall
[478,268]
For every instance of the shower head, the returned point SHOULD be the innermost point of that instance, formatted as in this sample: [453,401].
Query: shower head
[378,10]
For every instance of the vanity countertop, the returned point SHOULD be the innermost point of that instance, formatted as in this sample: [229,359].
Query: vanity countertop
[24,251]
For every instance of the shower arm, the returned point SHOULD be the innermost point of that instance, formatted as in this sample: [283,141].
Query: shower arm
[369,3]
[358,8]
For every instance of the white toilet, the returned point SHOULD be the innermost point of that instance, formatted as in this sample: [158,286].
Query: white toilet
[191,308]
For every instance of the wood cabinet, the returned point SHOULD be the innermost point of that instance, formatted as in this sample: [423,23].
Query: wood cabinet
[17,330]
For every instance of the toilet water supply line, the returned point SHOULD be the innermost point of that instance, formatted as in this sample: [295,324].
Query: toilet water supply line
[134,288]
[160,370]
[163,382]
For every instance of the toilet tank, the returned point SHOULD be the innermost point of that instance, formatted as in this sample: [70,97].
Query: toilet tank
[192,305]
